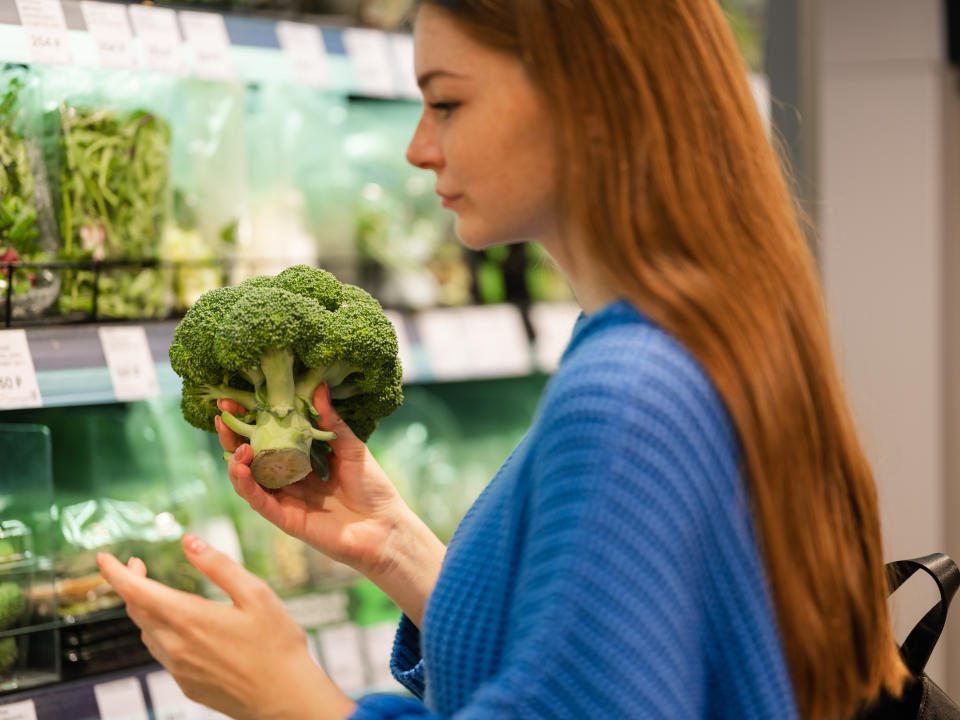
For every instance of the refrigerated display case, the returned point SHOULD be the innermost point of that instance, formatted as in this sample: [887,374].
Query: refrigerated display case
[246,175]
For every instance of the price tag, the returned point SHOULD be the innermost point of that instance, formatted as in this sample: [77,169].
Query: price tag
[406,351]
[221,533]
[318,609]
[402,47]
[130,362]
[121,700]
[340,647]
[159,37]
[46,31]
[370,54]
[313,649]
[304,48]
[206,33]
[552,326]
[169,702]
[18,378]
[109,26]
[379,639]
[24,710]
[475,342]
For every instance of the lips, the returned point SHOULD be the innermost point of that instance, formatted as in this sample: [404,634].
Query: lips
[448,199]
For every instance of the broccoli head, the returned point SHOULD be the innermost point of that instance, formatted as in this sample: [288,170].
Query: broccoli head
[267,344]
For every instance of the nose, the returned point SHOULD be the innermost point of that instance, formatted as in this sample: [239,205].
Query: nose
[424,150]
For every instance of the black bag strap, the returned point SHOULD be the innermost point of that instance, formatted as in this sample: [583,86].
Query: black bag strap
[918,646]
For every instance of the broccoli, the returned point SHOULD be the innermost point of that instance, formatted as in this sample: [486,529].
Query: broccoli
[267,344]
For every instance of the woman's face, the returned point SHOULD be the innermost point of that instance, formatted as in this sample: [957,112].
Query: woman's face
[485,133]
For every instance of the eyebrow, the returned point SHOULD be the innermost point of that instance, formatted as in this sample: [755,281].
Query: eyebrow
[428,76]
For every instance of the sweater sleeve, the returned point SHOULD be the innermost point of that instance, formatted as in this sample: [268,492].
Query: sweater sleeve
[607,618]
[406,662]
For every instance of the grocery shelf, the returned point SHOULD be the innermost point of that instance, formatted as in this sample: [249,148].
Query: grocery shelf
[71,368]
[351,61]
[439,345]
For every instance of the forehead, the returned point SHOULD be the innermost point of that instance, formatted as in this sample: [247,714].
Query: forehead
[440,43]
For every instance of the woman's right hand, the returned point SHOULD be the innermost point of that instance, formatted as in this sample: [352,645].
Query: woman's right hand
[349,517]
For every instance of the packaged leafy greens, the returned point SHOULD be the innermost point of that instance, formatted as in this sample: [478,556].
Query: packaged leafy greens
[25,217]
[302,191]
[409,254]
[208,175]
[107,141]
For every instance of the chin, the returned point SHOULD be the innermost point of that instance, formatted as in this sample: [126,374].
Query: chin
[475,237]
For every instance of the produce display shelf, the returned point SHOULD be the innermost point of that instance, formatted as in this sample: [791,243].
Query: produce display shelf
[78,699]
[362,62]
[440,345]
[71,367]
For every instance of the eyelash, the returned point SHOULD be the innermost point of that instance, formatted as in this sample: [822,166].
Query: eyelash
[444,107]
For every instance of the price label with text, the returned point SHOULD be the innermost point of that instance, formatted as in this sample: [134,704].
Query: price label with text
[402,47]
[206,33]
[18,377]
[370,55]
[406,350]
[169,702]
[130,363]
[342,654]
[553,327]
[24,710]
[475,342]
[109,26]
[159,37]
[304,48]
[121,700]
[46,31]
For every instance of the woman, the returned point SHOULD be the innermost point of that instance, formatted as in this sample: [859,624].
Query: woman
[690,527]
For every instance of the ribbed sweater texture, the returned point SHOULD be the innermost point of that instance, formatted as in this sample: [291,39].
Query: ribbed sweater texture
[611,567]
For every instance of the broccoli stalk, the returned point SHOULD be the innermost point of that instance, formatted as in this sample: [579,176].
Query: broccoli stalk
[267,345]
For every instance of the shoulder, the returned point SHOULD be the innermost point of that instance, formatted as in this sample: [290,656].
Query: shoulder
[631,428]
[623,370]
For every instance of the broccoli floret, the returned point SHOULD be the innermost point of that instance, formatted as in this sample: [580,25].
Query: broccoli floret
[268,344]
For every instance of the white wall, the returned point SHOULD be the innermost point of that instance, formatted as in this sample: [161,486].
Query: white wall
[883,126]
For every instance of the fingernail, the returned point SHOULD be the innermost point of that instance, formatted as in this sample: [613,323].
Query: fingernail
[217,422]
[220,405]
[326,390]
[194,544]
[100,559]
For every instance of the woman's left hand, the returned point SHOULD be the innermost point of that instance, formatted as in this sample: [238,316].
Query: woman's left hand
[247,660]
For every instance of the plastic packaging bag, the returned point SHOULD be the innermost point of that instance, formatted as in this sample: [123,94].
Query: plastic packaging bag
[301,190]
[410,256]
[208,171]
[107,144]
[27,232]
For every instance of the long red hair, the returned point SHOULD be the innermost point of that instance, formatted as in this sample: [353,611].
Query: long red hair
[668,175]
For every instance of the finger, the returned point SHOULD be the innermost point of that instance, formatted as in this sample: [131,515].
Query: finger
[153,597]
[239,465]
[243,587]
[231,406]
[330,420]
[264,503]
[228,438]
[137,566]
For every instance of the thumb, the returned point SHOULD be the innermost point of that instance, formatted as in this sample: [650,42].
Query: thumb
[243,587]
[330,420]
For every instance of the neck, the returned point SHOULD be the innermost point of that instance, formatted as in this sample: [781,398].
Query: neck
[590,284]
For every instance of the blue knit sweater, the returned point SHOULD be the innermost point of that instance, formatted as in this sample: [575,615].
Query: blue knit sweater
[610,569]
